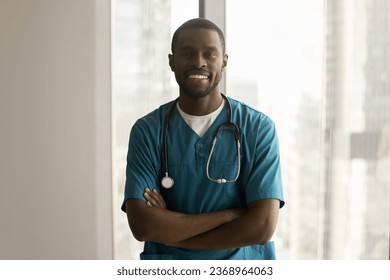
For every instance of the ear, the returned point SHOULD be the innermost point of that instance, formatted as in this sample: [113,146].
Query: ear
[224,61]
[171,62]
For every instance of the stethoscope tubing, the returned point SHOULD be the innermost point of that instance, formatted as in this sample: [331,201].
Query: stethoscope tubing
[167,181]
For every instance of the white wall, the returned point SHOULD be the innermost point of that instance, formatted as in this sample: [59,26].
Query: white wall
[55,130]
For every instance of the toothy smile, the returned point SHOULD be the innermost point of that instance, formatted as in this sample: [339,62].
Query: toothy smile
[200,77]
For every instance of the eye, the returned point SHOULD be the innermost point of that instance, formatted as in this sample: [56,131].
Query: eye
[187,54]
[210,54]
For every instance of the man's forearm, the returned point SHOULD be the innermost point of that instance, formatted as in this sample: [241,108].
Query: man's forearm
[254,227]
[228,236]
[165,226]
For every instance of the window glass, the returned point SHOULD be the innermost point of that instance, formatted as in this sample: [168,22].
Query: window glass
[320,72]
[142,80]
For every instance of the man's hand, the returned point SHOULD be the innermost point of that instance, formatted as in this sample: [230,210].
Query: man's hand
[154,199]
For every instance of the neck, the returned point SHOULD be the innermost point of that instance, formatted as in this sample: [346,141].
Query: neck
[200,106]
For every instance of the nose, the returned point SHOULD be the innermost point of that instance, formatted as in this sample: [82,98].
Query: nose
[198,61]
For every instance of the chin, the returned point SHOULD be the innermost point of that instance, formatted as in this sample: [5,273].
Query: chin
[195,94]
[198,94]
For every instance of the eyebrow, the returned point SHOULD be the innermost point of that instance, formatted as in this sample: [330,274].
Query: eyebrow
[192,48]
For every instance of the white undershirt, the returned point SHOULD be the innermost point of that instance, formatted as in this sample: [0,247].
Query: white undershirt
[200,124]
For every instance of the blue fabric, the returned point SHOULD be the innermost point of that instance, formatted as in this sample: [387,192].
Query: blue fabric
[193,192]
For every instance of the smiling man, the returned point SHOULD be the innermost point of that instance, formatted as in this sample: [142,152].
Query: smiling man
[203,172]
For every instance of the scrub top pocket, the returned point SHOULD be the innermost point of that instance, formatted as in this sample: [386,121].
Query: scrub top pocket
[232,196]
[231,193]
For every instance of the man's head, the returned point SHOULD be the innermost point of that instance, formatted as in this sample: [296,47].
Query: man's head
[198,58]
[198,23]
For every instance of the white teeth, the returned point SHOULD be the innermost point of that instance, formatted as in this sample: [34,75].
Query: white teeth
[197,77]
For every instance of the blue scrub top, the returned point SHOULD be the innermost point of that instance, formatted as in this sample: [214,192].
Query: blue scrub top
[193,192]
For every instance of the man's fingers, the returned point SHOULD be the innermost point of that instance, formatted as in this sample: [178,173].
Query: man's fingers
[154,199]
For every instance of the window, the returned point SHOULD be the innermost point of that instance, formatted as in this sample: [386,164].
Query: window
[142,80]
[319,69]
[319,72]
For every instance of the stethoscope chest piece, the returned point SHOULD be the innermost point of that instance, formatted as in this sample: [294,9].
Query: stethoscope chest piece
[167,182]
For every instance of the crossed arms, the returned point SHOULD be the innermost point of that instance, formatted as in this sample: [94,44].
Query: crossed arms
[225,229]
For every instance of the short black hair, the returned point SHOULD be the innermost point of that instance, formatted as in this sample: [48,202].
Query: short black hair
[198,23]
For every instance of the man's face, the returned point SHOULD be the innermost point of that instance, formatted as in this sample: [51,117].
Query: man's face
[198,62]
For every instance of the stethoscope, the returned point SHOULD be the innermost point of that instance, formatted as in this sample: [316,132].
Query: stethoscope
[167,181]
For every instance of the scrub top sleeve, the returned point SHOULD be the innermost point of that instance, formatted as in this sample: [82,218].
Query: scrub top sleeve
[265,177]
[142,160]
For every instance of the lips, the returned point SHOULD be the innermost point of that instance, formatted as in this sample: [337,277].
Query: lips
[197,75]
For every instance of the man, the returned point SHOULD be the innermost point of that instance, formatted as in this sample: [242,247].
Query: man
[186,197]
